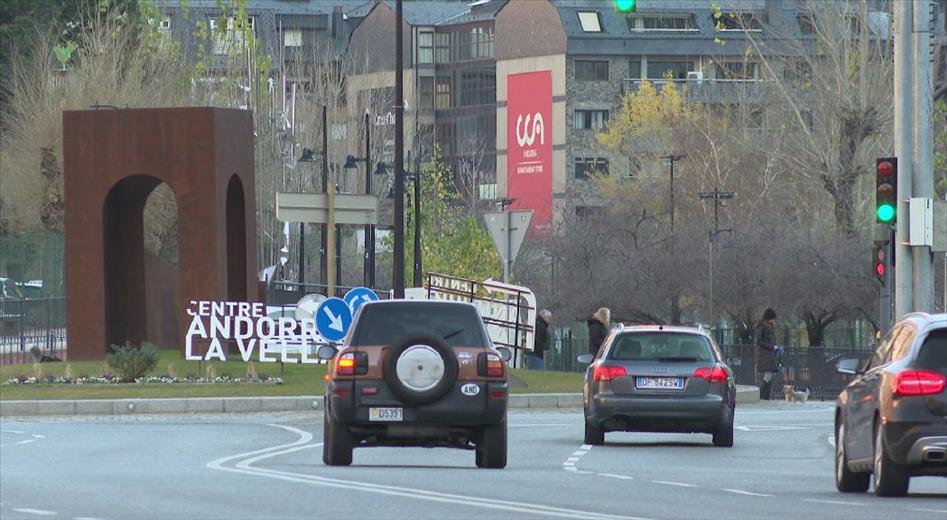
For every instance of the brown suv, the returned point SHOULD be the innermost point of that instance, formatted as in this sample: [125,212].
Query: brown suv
[417,373]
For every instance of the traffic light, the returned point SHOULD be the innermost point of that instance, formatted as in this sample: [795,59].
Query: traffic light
[625,6]
[878,257]
[886,190]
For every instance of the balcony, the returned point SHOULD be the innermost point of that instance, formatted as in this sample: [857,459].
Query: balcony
[712,90]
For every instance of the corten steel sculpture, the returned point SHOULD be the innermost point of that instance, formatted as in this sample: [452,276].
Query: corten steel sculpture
[112,160]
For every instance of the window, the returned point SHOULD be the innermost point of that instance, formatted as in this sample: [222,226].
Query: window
[425,47]
[426,92]
[467,44]
[442,47]
[806,23]
[590,21]
[339,131]
[737,70]
[590,119]
[442,89]
[797,70]
[478,87]
[235,36]
[663,22]
[586,166]
[589,212]
[739,22]
[293,38]
[662,69]
[164,26]
[634,69]
[586,70]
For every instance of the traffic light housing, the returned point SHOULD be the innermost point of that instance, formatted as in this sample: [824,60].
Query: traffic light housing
[626,6]
[886,190]
[879,255]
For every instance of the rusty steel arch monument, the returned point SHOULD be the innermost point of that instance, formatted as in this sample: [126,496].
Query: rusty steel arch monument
[112,160]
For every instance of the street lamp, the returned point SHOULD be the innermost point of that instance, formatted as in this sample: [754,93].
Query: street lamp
[381,169]
[397,278]
[717,195]
[351,163]
[671,159]
[308,156]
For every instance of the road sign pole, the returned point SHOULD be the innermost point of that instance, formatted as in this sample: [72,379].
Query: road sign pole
[508,261]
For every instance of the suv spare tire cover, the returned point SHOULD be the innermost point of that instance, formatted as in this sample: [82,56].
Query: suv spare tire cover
[420,368]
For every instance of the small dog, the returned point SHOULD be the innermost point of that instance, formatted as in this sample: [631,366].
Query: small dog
[794,395]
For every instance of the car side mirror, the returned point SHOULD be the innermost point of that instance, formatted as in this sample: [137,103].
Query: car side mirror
[849,366]
[505,353]
[585,359]
[325,352]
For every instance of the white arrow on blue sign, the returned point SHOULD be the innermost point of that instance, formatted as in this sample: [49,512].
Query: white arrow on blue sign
[358,296]
[333,319]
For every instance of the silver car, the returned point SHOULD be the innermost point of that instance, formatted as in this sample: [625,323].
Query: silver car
[658,379]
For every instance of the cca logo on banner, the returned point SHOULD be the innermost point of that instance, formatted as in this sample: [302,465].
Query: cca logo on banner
[529,133]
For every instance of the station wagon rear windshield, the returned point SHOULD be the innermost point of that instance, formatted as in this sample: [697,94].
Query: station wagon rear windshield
[933,354]
[383,324]
[660,346]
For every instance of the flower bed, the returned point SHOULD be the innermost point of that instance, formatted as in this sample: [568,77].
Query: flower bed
[108,379]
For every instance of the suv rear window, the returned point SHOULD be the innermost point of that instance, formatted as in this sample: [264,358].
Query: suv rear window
[933,354]
[383,324]
[664,346]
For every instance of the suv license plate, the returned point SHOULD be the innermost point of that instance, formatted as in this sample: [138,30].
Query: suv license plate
[668,383]
[386,414]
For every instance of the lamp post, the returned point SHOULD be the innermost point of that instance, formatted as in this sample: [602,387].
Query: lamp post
[671,159]
[351,163]
[308,156]
[717,195]
[397,278]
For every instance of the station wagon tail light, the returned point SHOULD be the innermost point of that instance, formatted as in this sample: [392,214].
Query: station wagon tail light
[608,372]
[713,375]
[352,364]
[490,365]
[918,382]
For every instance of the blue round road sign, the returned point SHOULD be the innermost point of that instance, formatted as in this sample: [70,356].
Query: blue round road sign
[333,319]
[358,296]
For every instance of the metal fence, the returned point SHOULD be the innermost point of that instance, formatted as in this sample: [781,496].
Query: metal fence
[806,368]
[32,325]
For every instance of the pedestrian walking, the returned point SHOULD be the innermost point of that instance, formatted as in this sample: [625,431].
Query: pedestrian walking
[766,362]
[535,359]
[598,329]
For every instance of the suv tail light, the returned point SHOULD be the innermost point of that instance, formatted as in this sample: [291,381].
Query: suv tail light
[608,372]
[352,364]
[490,365]
[713,375]
[918,382]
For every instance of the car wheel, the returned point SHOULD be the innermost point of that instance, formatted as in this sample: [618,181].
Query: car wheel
[420,369]
[491,450]
[846,480]
[890,479]
[594,436]
[723,434]
[337,443]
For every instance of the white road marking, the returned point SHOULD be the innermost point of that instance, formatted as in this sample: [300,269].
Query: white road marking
[27,441]
[612,475]
[567,463]
[579,453]
[86,518]
[40,512]
[585,447]
[679,484]
[38,436]
[759,428]
[572,459]
[537,424]
[836,502]
[831,440]
[571,468]
[929,510]
[747,493]
[420,494]
[16,432]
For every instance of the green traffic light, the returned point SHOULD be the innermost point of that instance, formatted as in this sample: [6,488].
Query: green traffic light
[885,213]
[625,6]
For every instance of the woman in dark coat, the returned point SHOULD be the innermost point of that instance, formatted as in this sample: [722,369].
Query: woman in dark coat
[766,362]
[598,329]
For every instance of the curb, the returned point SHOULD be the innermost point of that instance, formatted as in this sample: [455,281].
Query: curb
[745,394]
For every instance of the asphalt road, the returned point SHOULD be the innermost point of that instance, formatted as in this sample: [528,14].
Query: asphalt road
[269,466]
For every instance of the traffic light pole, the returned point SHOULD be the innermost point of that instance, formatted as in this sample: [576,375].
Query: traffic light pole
[903,149]
[923,168]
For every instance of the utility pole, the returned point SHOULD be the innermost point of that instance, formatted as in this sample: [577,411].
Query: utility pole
[369,276]
[323,238]
[417,220]
[397,278]
[923,167]
[671,159]
[904,150]
[717,195]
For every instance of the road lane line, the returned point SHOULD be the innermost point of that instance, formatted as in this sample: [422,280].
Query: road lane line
[585,447]
[38,436]
[831,440]
[835,502]
[15,432]
[572,459]
[420,494]
[86,518]
[304,438]
[27,441]
[929,510]
[747,493]
[537,424]
[571,468]
[612,475]
[39,512]
[579,453]
[679,484]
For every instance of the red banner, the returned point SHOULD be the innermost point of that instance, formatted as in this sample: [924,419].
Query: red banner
[529,147]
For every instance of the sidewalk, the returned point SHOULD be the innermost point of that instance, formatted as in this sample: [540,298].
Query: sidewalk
[745,394]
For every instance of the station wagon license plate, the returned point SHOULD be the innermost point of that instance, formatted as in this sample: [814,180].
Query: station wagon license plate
[659,383]
[386,414]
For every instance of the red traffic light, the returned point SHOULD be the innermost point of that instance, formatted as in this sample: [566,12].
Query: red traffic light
[885,168]
[880,269]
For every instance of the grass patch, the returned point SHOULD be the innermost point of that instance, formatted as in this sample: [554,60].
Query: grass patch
[298,379]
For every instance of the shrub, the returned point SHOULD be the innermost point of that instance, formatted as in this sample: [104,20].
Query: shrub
[133,362]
